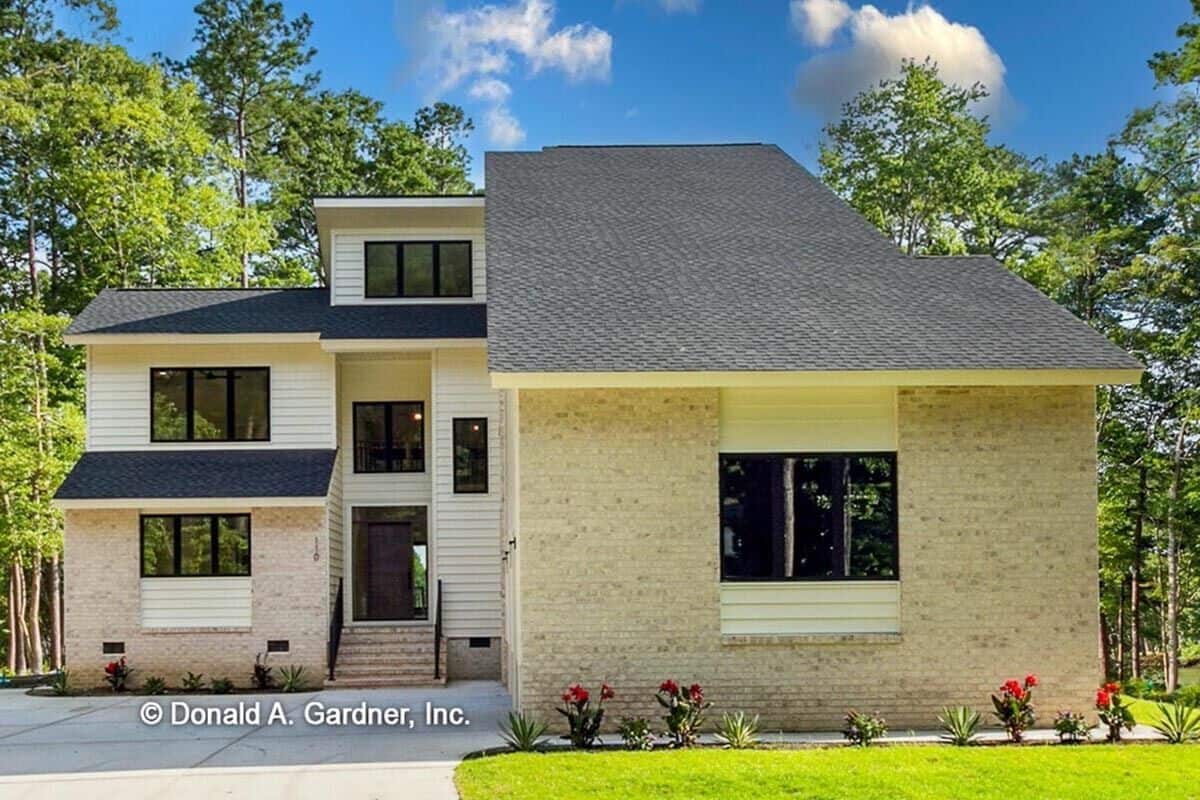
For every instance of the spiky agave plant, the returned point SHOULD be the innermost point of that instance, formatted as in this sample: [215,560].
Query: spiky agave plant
[738,731]
[1178,722]
[960,725]
[523,732]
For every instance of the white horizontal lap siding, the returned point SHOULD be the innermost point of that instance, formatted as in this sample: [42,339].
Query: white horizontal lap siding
[807,420]
[335,516]
[196,602]
[302,392]
[349,254]
[467,535]
[810,608]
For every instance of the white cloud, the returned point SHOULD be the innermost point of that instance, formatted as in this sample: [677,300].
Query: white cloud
[819,20]
[879,42]
[480,43]
[503,128]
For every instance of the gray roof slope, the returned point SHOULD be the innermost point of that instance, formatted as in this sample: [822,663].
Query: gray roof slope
[216,311]
[199,473]
[734,257]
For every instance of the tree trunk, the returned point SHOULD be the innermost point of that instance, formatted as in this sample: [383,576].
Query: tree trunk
[18,579]
[1171,656]
[1105,651]
[14,640]
[1135,578]
[789,517]
[33,612]
[56,615]
[1120,643]
[243,200]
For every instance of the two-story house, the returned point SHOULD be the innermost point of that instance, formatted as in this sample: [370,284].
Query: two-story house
[641,412]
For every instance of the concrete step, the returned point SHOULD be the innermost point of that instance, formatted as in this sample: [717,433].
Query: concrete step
[399,659]
[371,682]
[385,640]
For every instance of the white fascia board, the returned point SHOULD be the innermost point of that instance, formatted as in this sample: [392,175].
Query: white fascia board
[385,345]
[209,504]
[191,338]
[472,201]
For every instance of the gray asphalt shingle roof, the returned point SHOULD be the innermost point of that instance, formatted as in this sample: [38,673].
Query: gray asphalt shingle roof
[173,474]
[217,311]
[734,257]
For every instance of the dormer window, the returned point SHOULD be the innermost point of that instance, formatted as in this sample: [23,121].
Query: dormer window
[418,269]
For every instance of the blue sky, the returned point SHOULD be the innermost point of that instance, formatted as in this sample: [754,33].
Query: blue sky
[538,72]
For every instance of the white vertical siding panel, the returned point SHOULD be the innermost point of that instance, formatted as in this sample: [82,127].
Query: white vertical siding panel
[349,250]
[467,538]
[810,607]
[808,419]
[218,602]
[302,392]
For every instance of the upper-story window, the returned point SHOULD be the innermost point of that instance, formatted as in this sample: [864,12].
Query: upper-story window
[389,437]
[210,404]
[418,269]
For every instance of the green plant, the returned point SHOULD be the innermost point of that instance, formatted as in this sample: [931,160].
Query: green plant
[1071,727]
[1014,706]
[293,679]
[685,711]
[61,683]
[1189,654]
[1113,711]
[635,733]
[117,674]
[192,682]
[523,732]
[221,686]
[261,678]
[1137,687]
[960,725]
[862,729]
[584,719]
[1187,695]
[1178,723]
[154,685]
[738,731]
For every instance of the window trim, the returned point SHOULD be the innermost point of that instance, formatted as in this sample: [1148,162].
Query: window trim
[893,454]
[398,244]
[486,455]
[387,432]
[177,549]
[190,403]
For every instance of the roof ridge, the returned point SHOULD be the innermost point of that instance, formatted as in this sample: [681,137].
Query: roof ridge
[653,144]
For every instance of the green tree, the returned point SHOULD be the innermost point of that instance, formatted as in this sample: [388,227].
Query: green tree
[912,156]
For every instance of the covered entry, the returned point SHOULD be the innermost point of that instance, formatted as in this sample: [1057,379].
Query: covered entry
[390,563]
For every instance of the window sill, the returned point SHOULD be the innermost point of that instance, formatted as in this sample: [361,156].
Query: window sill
[759,639]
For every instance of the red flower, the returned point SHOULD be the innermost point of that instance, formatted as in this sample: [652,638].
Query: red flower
[696,692]
[1031,681]
[1013,688]
[669,686]
[1103,698]
[1112,688]
[566,697]
[606,692]
[577,693]
[111,668]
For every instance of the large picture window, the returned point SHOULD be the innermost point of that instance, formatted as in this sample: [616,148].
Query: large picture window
[470,456]
[389,437]
[805,516]
[417,269]
[210,404]
[189,545]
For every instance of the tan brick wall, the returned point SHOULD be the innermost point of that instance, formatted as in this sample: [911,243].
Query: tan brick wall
[289,588]
[619,578]
[466,663]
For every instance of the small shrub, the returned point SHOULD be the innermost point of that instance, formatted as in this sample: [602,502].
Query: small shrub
[154,685]
[221,686]
[685,711]
[862,729]
[1187,695]
[293,679]
[583,720]
[61,683]
[1137,687]
[737,731]
[1113,711]
[117,674]
[960,725]
[1178,723]
[523,733]
[192,682]
[1189,654]
[635,733]
[1014,706]
[1071,727]
[261,679]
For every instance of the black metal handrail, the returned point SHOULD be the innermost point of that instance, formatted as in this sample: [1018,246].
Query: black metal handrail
[437,635]
[335,629]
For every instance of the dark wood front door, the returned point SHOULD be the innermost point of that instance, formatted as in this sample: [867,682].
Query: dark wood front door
[389,554]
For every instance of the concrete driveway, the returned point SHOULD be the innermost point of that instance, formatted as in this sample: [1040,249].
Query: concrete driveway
[311,744]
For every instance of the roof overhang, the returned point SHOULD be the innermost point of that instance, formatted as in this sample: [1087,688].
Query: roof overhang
[386,345]
[207,504]
[191,338]
[950,377]
[382,213]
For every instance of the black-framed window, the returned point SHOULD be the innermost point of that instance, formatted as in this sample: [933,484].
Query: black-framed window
[210,404]
[470,455]
[194,545]
[389,437]
[417,269]
[842,522]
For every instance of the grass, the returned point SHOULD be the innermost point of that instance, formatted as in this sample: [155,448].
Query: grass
[894,773]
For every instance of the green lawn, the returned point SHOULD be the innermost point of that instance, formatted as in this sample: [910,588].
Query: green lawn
[879,773]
